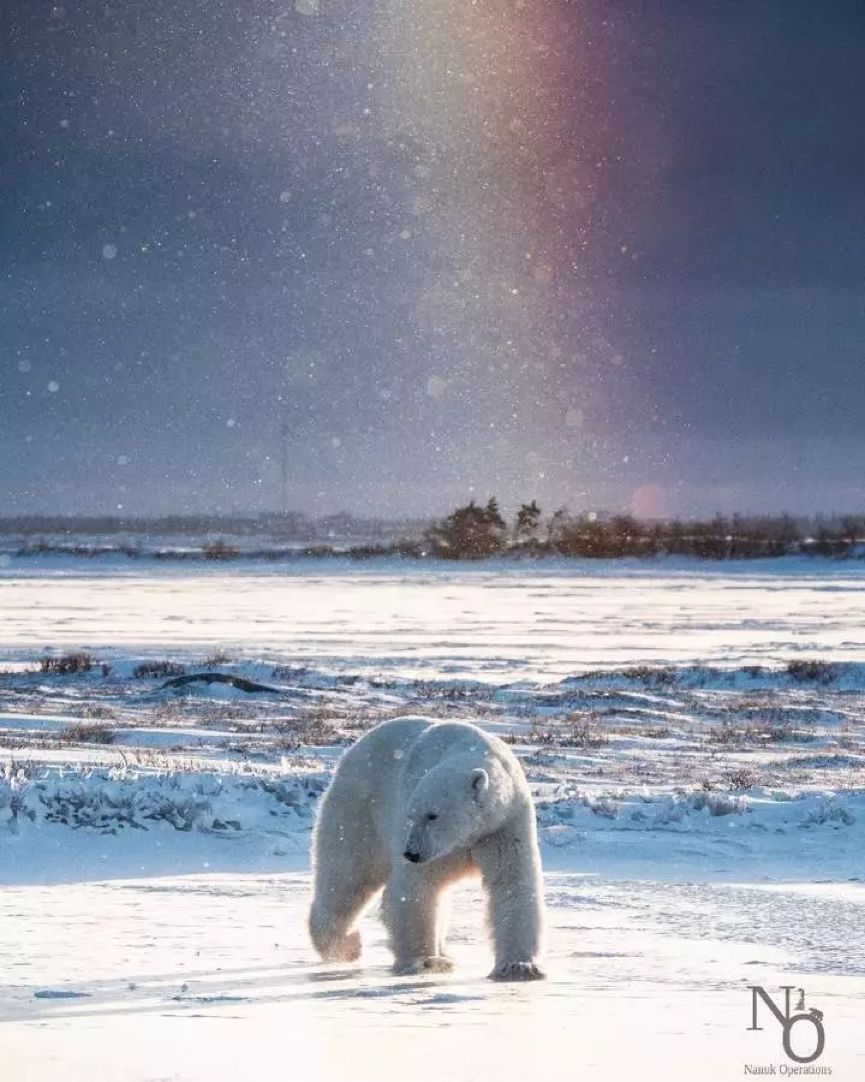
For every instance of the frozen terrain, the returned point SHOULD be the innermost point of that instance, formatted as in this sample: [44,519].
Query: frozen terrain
[694,737]
[210,977]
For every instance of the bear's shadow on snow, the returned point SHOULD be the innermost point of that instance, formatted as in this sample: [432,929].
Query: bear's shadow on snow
[328,975]
[377,991]
[390,987]
[424,993]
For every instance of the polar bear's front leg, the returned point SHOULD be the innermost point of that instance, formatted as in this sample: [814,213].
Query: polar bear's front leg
[411,915]
[513,881]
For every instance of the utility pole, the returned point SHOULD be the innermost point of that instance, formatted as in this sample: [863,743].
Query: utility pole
[284,465]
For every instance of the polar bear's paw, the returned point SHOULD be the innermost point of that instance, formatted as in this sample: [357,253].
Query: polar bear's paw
[432,963]
[345,949]
[518,971]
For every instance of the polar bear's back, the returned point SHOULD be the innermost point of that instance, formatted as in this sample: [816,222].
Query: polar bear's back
[412,746]
[380,752]
[372,769]
[452,739]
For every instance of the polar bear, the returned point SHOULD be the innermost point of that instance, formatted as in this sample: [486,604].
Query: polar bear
[414,806]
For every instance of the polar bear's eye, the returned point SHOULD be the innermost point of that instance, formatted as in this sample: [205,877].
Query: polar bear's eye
[432,815]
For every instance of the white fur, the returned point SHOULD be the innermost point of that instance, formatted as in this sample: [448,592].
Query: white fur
[376,810]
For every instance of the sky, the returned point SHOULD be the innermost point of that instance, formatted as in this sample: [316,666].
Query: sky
[610,256]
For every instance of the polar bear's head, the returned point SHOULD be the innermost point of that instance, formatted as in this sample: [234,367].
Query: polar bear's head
[453,807]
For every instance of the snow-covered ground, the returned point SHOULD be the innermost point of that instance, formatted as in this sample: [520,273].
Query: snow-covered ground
[504,622]
[209,977]
[694,736]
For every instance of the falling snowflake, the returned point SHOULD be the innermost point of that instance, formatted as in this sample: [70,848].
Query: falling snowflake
[436,386]
[574,418]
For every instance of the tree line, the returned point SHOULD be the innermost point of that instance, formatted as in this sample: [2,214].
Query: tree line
[472,531]
[475,531]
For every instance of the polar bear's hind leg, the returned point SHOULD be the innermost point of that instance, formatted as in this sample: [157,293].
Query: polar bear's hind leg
[349,872]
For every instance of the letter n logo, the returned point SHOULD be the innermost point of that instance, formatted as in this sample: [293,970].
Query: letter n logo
[788,1020]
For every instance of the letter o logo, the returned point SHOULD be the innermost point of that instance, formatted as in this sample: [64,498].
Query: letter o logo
[788,1035]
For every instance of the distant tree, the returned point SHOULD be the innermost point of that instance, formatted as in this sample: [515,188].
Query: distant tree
[708,540]
[219,550]
[555,523]
[528,520]
[470,532]
[852,528]
[676,542]
[493,515]
[582,535]
[625,535]
[788,531]
[593,536]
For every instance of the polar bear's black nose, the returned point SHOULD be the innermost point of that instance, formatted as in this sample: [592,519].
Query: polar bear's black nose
[413,857]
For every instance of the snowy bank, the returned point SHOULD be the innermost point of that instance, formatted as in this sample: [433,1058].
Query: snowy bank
[688,833]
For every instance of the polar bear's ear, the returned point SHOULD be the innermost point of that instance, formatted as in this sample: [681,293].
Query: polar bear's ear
[480,784]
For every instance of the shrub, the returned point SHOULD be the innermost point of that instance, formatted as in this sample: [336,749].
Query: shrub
[804,671]
[661,677]
[218,657]
[528,520]
[158,669]
[66,664]
[753,732]
[716,804]
[584,732]
[219,550]
[88,732]
[97,710]
[742,778]
[571,731]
